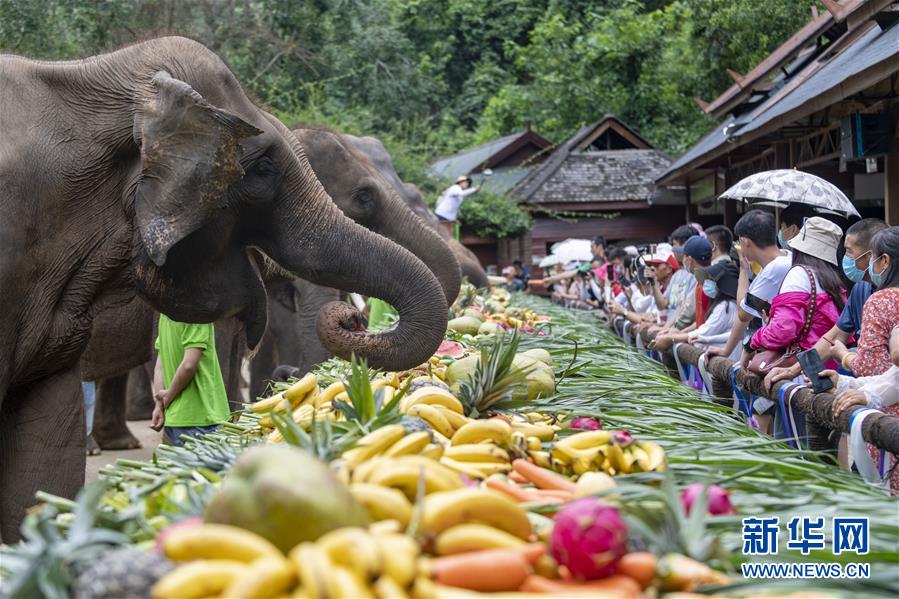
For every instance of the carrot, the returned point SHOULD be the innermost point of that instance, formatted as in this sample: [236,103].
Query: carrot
[614,586]
[543,478]
[487,571]
[555,494]
[639,565]
[513,491]
[517,478]
[533,552]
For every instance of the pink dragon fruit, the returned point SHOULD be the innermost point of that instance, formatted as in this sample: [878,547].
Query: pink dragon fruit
[719,499]
[586,423]
[622,438]
[588,538]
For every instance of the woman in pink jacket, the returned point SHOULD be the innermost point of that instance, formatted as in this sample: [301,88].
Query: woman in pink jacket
[812,289]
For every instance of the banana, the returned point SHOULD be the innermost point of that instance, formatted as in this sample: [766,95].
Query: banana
[400,554]
[303,413]
[581,460]
[434,396]
[433,417]
[355,549]
[330,392]
[275,437]
[477,452]
[387,588]
[463,538]
[314,569]
[363,471]
[440,439]
[455,419]
[266,577]
[299,389]
[656,454]
[541,458]
[432,451]
[385,527]
[534,444]
[518,441]
[465,468]
[403,473]
[281,407]
[373,444]
[347,584]
[216,541]
[383,503]
[493,429]
[387,393]
[313,398]
[586,439]
[641,458]
[202,578]
[443,510]
[410,444]
[266,405]
[544,432]
[618,460]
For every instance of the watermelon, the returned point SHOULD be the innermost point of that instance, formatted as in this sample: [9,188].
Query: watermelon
[451,349]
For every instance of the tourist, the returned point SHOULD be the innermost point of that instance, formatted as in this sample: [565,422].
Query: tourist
[791,220]
[722,241]
[697,253]
[189,392]
[450,201]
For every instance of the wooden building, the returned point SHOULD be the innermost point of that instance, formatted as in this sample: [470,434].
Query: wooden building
[802,107]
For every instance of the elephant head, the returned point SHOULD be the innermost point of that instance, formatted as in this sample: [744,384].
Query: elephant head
[218,177]
[365,196]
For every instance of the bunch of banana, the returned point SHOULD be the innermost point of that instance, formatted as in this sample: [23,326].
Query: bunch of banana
[438,407]
[613,452]
[404,472]
[390,441]
[443,512]
[304,391]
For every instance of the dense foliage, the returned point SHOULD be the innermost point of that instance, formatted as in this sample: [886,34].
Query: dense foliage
[433,76]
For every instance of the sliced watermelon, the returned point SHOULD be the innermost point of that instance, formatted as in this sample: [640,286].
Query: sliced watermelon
[451,349]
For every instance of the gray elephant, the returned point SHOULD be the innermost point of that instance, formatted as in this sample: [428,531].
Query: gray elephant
[374,150]
[148,170]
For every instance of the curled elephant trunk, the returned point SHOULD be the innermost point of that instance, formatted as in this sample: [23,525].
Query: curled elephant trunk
[425,243]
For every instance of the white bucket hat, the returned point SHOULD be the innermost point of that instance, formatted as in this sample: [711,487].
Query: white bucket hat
[820,238]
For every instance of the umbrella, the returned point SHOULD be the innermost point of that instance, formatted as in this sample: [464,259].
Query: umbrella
[786,186]
[550,260]
[573,250]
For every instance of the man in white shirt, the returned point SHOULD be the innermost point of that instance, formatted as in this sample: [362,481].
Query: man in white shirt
[451,199]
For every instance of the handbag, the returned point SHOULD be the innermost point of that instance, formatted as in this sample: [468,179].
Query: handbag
[764,361]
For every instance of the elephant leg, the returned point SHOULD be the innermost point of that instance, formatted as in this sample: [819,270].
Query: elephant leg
[110,428]
[139,394]
[42,445]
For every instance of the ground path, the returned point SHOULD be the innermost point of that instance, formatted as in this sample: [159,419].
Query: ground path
[149,439]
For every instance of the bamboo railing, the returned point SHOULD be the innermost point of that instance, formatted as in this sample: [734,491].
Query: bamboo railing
[880,430]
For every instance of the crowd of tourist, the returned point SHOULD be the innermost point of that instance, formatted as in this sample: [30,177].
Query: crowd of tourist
[761,295]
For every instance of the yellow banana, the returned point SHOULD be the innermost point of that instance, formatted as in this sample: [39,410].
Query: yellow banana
[330,392]
[534,444]
[581,460]
[373,444]
[541,458]
[347,584]
[355,549]
[281,407]
[303,413]
[432,451]
[544,432]
[313,398]
[463,538]
[400,554]
[410,444]
[202,578]
[656,456]
[477,452]
[266,405]
[387,588]
[465,468]
[617,458]
[455,419]
[586,439]
[363,471]
[439,439]
[433,417]
[314,569]
[403,473]
[299,389]
[275,437]
[493,429]
[434,396]
[385,527]
[518,441]
[266,577]
[383,503]
[387,394]
[641,458]
[443,510]
[216,541]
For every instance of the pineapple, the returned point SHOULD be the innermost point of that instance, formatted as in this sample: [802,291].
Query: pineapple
[120,574]
[495,378]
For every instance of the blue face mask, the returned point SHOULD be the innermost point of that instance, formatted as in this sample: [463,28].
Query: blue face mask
[780,241]
[852,272]
[877,279]
[710,289]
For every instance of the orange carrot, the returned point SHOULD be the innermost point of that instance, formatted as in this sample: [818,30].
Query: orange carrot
[533,552]
[614,586]
[487,571]
[639,565]
[555,494]
[513,491]
[517,478]
[543,478]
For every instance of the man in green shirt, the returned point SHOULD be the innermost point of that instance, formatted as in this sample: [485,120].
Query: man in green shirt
[188,388]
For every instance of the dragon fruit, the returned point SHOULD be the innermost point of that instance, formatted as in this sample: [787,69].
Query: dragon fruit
[622,438]
[719,499]
[588,538]
[586,423]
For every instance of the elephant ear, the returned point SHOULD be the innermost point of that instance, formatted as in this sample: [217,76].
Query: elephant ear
[189,156]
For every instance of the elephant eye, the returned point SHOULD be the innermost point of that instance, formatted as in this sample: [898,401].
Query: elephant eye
[263,167]
[365,198]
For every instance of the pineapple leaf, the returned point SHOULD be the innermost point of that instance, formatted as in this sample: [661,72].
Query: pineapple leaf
[291,431]
[358,389]
[494,378]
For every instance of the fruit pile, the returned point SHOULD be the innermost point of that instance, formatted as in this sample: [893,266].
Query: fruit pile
[476,315]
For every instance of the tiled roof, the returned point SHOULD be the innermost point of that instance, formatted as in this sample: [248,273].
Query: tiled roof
[462,163]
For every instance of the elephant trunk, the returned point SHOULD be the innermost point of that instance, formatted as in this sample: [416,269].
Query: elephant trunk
[327,248]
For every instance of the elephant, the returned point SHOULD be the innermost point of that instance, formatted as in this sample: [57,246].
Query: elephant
[375,151]
[148,171]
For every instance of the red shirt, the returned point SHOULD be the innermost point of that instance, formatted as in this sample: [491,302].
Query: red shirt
[702,305]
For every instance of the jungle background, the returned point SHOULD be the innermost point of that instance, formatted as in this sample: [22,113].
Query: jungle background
[431,77]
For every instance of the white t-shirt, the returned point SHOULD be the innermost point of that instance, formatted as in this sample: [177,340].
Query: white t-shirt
[449,201]
[767,283]
[716,329]
[797,280]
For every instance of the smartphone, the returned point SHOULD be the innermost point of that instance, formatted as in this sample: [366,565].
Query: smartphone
[610,271]
[758,304]
[811,365]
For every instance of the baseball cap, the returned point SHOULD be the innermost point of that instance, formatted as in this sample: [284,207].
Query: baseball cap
[461,178]
[698,248]
[662,256]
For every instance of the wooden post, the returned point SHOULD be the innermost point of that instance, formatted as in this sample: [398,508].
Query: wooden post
[891,188]
[691,211]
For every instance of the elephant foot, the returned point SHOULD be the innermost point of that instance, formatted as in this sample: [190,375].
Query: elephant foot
[92,447]
[122,440]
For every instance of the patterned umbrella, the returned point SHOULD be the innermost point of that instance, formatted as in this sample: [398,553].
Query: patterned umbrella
[786,186]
